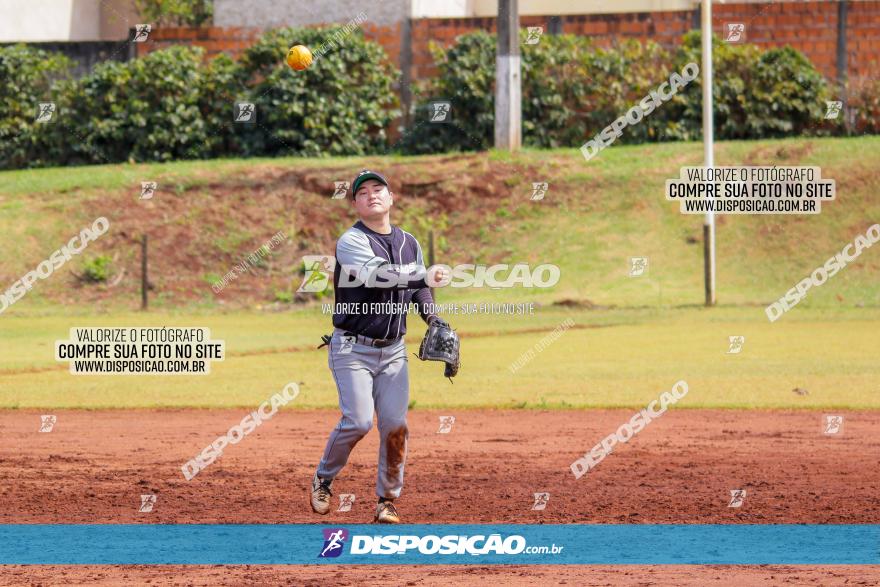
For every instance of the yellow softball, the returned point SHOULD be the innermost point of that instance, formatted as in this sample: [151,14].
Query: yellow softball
[299,57]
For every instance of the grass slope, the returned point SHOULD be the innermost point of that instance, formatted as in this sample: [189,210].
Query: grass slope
[641,336]
[208,215]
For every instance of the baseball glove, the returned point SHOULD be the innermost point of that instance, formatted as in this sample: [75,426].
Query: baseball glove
[441,344]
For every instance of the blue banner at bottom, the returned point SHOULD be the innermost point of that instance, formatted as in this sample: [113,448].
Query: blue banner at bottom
[482,544]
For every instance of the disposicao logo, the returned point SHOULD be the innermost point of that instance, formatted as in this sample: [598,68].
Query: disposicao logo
[334,539]
[432,544]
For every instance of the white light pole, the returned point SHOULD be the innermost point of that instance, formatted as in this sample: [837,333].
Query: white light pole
[708,152]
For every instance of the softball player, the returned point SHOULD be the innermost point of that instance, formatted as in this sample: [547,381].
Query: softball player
[367,355]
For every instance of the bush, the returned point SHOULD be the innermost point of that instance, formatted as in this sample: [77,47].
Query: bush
[572,90]
[341,105]
[788,97]
[30,76]
[143,110]
[467,79]
[97,269]
[171,104]
[217,93]
[614,80]
[864,103]
[284,297]
[552,113]
[757,94]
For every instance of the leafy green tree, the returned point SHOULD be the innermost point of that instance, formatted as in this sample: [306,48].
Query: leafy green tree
[571,90]
[341,105]
[146,109]
[31,76]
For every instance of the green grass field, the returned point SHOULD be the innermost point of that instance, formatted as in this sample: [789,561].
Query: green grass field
[617,358]
[645,333]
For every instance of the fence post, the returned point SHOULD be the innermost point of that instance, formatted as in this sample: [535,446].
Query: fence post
[406,59]
[144,279]
[132,46]
[842,73]
[431,255]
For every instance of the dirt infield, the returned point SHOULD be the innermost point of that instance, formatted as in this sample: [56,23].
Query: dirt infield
[93,467]
[625,576]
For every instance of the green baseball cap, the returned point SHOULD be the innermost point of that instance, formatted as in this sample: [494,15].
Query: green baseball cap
[364,176]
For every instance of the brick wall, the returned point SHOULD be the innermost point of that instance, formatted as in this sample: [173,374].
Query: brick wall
[387,36]
[663,27]
[863,24]
[810,27]
[234,40]
[213,39]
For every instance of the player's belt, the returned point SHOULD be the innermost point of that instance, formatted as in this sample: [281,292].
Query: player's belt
[374,342]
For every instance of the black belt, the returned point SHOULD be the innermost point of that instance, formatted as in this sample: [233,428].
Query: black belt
[373,342]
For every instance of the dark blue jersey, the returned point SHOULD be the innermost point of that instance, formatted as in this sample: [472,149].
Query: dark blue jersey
[381,272]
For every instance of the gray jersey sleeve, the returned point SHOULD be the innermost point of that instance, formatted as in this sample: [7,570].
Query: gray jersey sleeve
[354,253]
[419,259]
[422,297]
[360,262]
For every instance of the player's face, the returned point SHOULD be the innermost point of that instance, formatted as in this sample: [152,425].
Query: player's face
[372,200]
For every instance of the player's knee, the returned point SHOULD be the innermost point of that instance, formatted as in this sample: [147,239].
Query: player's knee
[360,427]
[391,425]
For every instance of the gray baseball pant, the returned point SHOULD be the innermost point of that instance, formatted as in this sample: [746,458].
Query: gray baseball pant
[368,379]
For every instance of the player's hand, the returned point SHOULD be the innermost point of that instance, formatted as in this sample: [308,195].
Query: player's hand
[438,276]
